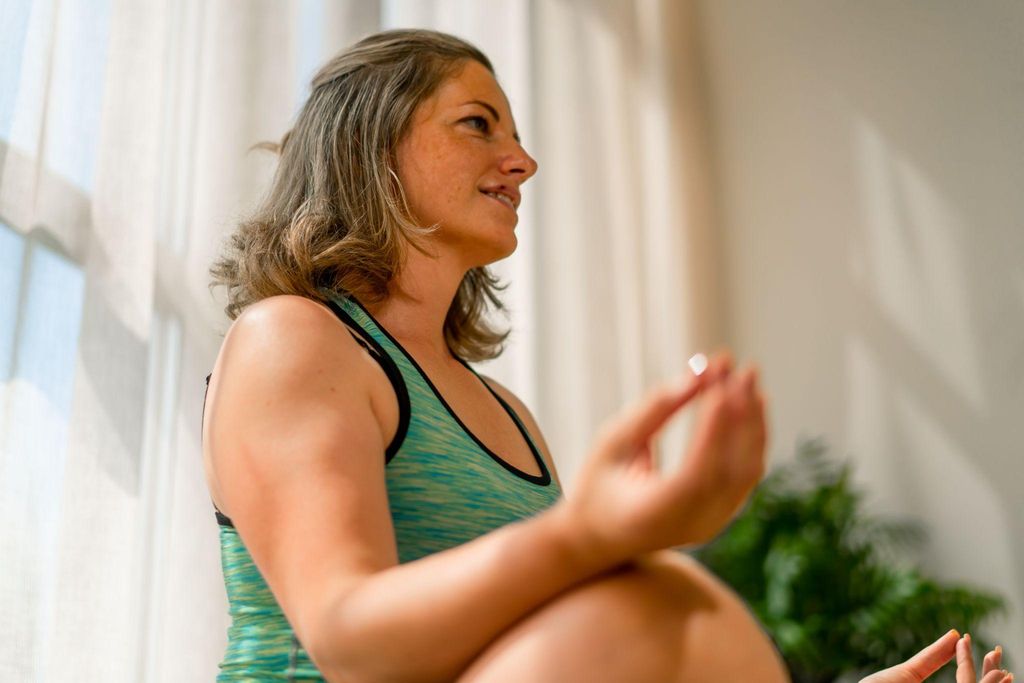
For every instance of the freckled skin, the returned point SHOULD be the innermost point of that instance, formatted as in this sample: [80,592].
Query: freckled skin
[446,158]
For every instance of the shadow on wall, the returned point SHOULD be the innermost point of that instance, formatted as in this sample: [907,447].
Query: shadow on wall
[871,168]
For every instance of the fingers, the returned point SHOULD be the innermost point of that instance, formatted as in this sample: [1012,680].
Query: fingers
[637,425]
[992,661]
[733,407]
[930,659]
[642,421]
[965,661]
[991,673]
[746,408]
[719,367]
[741,391]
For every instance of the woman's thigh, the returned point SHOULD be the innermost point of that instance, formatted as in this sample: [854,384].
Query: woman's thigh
[661,618]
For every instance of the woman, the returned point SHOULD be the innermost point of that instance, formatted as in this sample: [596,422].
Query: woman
[370,530]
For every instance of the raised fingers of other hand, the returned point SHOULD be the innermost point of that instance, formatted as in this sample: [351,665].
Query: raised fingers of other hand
[992,661]
[930,659]
[965,664]
[965,661]
[996,676]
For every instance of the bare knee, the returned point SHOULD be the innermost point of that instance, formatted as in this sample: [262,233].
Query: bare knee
[661,618]
[597,631]
[720,635]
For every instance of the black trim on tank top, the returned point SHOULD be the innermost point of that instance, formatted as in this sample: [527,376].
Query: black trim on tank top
[387,363]
[543,479]
[222,519]
[390,369]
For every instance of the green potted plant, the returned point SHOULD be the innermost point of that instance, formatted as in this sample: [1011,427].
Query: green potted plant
[833,586]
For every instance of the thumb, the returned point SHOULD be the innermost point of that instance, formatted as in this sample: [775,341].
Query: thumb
[930,659]
[638,423]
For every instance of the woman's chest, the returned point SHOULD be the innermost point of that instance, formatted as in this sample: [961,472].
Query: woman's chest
[458,394]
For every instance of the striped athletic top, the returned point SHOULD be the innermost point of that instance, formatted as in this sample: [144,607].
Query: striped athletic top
[445,488]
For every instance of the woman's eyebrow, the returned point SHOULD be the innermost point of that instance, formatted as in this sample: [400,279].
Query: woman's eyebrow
[494,113]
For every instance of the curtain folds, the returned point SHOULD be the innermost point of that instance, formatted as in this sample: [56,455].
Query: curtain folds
[627,251]
[124,136]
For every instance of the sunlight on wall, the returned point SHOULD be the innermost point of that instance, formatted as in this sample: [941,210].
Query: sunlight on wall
[957,502]
[928,471]
[915,375]
[911,256]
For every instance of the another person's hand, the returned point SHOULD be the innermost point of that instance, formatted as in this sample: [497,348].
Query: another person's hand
[929,660]
[623,506]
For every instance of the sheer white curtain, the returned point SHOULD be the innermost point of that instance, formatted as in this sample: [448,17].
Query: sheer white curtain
[124,129]
[626,249]
[123,135]
[76,200]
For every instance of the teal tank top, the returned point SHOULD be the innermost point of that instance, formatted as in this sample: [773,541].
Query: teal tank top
[445,488]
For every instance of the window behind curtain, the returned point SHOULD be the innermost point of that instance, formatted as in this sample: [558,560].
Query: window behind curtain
[52,77]
[40,312]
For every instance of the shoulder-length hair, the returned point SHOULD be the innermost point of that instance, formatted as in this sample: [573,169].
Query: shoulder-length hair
[335,218]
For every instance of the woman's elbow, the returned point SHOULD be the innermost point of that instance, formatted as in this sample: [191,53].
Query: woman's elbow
[331,649]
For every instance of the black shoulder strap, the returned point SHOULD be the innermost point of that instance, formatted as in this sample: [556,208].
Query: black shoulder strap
[387,363]
[357,332]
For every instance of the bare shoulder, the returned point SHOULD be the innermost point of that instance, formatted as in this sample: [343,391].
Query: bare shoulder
[295,453]
[527,417]
[283,319]
[283,339]
[285,358]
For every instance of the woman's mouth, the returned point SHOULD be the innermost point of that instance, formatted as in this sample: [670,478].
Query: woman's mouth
[500,198]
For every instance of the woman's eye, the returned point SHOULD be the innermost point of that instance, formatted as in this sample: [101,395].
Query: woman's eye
[485,125]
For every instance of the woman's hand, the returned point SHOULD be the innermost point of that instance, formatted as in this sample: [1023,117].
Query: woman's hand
[929,660]
[622,506]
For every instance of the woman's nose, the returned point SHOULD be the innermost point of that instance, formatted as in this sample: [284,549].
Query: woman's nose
[520,163]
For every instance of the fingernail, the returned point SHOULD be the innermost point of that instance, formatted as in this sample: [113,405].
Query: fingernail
[999,649]
[953,630]
[698,363]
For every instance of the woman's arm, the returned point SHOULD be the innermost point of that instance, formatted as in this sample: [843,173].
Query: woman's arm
[297,452]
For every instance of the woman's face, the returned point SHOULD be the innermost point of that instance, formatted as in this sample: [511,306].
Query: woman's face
[462,143]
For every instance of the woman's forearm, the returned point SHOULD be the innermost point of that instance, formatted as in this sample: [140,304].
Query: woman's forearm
[428,619]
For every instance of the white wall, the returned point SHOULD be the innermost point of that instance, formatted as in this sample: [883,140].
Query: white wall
[870,169]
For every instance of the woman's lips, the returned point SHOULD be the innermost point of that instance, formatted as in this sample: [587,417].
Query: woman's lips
[510,208]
